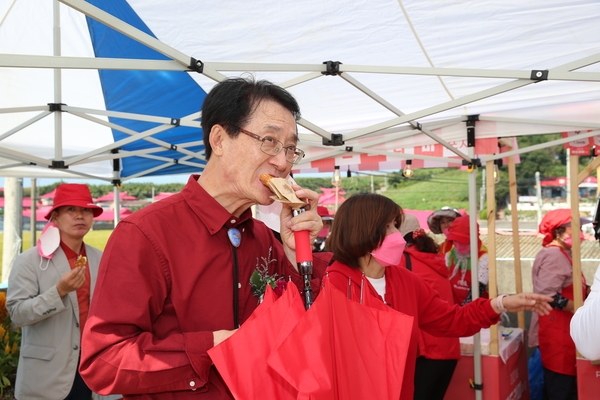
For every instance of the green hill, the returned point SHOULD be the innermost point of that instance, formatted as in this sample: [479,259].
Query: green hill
[437,189]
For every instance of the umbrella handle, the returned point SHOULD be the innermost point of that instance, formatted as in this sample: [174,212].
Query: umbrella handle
[304,261]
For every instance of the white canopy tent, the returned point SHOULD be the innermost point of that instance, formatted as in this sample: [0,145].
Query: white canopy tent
[387,79]
[409,75]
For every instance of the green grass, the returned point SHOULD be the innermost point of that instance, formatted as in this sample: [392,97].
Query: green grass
[449,188]
[95,239]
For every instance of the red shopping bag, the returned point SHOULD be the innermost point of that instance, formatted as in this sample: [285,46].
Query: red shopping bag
[341,349]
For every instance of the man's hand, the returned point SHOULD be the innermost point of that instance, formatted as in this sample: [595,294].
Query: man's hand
[71,281]
[306,221]
[219,336]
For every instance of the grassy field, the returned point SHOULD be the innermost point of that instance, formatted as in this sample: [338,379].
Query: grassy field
[95,239]
[449,188]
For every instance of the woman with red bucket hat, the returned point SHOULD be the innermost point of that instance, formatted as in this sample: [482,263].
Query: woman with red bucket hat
[458,260]
[552,275]
[49,292]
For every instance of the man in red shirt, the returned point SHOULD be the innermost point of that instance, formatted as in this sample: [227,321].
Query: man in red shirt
[174,278]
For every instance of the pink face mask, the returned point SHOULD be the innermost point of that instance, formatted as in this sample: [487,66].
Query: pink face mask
[569,241]
[390,251]
[323,233]
[445,231]
[48,241]
[462,248]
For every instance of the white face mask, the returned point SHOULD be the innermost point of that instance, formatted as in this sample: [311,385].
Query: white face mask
[48,241]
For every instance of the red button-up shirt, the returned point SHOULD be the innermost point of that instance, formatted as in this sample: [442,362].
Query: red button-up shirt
[165,284]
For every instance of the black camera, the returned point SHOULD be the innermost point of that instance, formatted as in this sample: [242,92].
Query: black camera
[596,220]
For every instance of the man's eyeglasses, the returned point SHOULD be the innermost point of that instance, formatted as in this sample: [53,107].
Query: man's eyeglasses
[272,147]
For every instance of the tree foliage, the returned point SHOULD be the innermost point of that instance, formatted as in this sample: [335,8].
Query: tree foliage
[142,190]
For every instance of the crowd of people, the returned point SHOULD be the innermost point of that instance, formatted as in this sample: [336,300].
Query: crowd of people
[139,318]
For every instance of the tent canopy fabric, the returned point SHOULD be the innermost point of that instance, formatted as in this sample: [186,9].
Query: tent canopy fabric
[378,82]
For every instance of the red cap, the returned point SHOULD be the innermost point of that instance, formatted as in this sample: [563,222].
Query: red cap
[459,230]
[324,213]
[74,194]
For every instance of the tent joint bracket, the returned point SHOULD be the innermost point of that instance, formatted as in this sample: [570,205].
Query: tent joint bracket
[471,119]
[58,164]
[333,68]
[52,107]
[472,164]
[539,75]
[336,140]
[196,65]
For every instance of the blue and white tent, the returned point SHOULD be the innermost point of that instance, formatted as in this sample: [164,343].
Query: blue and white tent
[85,83]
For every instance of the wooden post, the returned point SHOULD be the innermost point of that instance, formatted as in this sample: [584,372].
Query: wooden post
[575,227]
[514,216]
[491,221]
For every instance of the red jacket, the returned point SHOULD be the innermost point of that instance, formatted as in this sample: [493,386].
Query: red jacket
[432,268]
[408,293]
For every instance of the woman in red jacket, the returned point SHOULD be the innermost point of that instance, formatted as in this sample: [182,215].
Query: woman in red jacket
[438,356]
[365,240]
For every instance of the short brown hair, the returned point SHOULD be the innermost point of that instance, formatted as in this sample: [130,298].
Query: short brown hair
[360,226]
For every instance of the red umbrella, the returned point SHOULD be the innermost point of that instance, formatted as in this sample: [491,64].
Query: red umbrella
[341,349]
[241,359]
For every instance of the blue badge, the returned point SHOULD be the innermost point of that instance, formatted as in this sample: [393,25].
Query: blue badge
[235,237]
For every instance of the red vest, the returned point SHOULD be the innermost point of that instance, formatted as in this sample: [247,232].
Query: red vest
[556,346]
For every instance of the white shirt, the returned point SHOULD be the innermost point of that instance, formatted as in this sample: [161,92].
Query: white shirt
[379,285]
[585,325]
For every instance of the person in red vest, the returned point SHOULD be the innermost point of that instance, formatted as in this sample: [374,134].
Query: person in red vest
[365,241]
[458,260]
[439,222]
[552,275]
[438,356]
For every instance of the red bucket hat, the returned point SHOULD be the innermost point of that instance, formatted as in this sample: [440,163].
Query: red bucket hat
[324,213]
[74,194]
[459,230]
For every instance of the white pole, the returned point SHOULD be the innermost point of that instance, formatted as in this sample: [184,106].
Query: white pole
[117,204]
[482,192]
[33,218]
[13,227]
[569,178]
[474,234]
[58,156]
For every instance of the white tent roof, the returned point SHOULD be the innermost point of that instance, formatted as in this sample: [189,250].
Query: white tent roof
[410,74]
